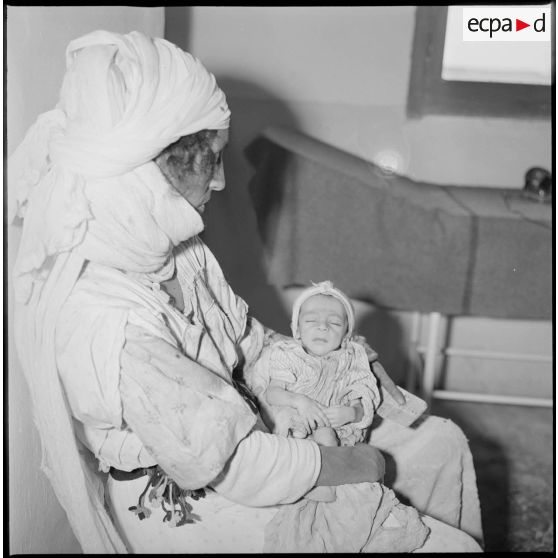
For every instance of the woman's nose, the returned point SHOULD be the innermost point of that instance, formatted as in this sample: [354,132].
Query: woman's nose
[218,180]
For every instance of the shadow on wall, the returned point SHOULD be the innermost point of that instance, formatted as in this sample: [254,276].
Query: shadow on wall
[385,335]
[231,227]
[178,21]
[230,223]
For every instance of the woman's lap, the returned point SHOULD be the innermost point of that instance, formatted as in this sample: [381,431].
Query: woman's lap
[431,468]
[444,538]
[226,527]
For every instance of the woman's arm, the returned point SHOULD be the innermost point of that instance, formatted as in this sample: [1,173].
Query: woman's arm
[267,469]
[189,418]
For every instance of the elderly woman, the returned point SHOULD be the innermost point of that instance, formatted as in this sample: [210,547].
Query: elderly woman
[129,333]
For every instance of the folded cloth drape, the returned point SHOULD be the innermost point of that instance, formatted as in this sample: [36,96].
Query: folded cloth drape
[83,181]
[388,240]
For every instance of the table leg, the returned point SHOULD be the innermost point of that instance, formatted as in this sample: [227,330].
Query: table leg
[430,358]
[413,356]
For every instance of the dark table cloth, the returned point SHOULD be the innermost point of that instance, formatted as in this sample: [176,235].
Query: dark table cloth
[397,243]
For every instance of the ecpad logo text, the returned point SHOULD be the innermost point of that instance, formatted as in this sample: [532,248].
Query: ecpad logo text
[507,23]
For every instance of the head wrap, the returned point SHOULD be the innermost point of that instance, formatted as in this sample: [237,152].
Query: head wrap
[84,182]
[323,288]
[124,98]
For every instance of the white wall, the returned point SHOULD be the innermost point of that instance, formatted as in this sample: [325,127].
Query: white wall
[344,74]
[341,74]
[36,38]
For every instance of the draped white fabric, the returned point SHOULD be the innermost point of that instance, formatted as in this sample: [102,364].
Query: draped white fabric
[83,181]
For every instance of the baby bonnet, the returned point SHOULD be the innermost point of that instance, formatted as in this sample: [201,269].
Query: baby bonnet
[324,288]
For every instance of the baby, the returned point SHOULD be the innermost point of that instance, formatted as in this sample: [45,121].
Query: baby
[320,383]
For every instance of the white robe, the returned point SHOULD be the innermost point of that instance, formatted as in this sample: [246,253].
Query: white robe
[190,423]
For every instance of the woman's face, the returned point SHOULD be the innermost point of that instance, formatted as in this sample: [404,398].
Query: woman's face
[195,168]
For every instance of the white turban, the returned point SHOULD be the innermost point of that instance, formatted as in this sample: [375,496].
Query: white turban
[84,182]
[323,288]
[126,97]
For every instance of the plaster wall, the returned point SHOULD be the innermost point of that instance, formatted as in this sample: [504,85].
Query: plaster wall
[36,38]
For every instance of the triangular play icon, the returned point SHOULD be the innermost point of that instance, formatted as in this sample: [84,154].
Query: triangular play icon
[519,25]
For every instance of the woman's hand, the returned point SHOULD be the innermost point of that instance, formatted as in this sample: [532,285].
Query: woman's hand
[338,415]
[312,414]
[350,465]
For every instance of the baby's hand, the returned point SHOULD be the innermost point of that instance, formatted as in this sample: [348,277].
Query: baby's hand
[312,414]
[338,415]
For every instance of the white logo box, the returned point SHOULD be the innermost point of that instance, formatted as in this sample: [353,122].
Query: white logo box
[499,23]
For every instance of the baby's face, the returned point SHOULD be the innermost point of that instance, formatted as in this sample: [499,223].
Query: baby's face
[322,324]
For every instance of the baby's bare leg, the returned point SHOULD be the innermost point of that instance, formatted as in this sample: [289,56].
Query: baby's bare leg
[325,436]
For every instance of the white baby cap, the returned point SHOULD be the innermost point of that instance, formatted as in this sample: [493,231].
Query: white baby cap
[325,288]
